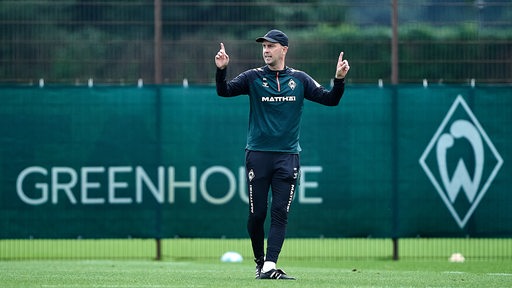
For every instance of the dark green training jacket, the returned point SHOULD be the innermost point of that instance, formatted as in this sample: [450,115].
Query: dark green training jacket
[276,103]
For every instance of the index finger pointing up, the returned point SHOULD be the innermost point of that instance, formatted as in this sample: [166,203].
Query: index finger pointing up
[222,47]
[340,59]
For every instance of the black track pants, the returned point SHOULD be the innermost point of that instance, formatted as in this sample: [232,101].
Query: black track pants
[278,172]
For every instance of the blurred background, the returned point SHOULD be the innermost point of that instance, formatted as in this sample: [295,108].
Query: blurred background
[374,189]
[71,41]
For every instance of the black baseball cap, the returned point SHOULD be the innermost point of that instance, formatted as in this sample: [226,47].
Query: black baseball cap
[274,36]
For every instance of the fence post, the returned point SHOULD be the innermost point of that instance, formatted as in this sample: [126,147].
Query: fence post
[158,207]
[158,249]
[395,249]
[395,158]
[158,41]
[394,123]
[394,42]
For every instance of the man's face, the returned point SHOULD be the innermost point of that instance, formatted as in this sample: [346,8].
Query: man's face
[274,53]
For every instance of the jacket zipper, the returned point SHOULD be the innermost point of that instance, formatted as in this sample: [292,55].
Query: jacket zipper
[278,84]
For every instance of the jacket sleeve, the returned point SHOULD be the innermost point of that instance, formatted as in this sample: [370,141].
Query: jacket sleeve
[235,87]
[316,93]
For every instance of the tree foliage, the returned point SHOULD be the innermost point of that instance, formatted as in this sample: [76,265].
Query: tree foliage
[64,40]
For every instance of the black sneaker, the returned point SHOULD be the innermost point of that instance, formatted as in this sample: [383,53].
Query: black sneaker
[277,274]
[259,266]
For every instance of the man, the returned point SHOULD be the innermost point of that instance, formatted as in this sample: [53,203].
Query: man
[276,95]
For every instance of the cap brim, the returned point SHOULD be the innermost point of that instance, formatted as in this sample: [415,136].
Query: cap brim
[261,39]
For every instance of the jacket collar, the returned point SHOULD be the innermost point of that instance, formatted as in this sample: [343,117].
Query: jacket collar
[268,71]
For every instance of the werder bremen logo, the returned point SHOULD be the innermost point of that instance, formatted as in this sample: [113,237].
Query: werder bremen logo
[461,161]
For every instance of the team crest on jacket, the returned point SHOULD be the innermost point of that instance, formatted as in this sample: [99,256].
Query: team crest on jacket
[292,84]
[265,83]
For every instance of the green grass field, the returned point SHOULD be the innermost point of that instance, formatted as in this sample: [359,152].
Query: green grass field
[203,273]
[350,264]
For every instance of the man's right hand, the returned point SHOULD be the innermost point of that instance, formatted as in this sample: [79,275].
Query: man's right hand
[342,67]
[221,59]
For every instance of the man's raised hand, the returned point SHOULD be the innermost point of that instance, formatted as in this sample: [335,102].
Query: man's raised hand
[221,59]
[342,67]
